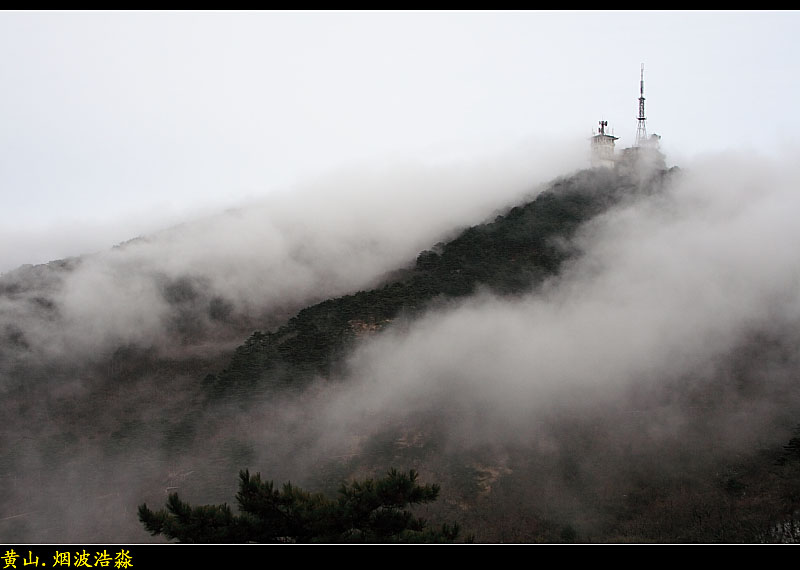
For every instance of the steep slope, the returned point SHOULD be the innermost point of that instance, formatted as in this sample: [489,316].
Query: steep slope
[330,394]
[510,255]
[112,407]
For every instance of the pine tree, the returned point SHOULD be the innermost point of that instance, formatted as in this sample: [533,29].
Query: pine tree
[366,511]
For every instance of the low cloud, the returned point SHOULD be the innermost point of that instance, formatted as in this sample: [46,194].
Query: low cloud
[271,256]
[666,287]
[670,337]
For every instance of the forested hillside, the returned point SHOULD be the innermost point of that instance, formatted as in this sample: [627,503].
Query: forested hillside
[510,255]
[510,364]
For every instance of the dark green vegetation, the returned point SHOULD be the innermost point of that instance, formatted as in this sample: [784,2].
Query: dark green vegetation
[510,255]
[365,511]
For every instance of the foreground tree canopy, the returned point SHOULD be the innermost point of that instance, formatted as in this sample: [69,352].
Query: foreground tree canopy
[366,511]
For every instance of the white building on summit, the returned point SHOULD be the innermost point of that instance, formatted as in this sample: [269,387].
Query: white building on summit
[603,147]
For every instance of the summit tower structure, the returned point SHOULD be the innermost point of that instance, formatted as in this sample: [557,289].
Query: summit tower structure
[641,126]
[641,156]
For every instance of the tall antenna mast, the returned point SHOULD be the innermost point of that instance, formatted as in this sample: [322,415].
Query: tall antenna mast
[641,129]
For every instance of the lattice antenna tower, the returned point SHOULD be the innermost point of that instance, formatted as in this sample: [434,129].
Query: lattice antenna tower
[641,128]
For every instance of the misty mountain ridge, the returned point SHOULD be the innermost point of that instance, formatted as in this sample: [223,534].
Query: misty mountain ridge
[510,255]
[506,361]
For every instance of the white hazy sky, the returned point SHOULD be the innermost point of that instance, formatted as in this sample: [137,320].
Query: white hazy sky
[112,124]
